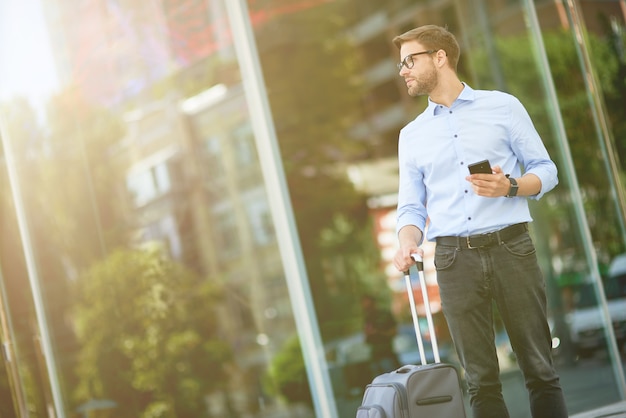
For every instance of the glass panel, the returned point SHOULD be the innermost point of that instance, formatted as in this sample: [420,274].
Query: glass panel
[161,278]
[496,44]
[141,268]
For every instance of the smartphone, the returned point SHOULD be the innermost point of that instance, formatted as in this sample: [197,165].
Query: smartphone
[480,167]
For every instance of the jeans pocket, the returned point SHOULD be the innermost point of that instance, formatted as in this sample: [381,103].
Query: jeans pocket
[444,257]
[520,246]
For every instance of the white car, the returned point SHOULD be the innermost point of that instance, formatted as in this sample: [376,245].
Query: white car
[585,321]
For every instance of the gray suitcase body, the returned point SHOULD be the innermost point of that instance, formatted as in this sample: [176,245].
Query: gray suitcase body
[429,391]
[416,391]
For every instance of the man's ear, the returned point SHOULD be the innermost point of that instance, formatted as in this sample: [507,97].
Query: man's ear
[441,58]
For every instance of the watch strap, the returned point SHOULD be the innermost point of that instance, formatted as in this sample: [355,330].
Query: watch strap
[513,190]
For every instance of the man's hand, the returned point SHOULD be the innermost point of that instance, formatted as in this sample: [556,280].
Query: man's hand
[490,185]
[409,236]
[498,185]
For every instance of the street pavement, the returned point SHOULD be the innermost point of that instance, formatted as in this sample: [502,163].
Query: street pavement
[587,385]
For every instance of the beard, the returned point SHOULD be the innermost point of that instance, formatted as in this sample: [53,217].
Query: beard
[425,84]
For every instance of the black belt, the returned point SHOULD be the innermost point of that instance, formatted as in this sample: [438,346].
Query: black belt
[485,240]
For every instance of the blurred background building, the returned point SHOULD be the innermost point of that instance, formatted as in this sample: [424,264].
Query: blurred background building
[148,147]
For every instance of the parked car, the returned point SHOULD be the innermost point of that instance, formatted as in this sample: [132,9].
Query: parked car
[585,321]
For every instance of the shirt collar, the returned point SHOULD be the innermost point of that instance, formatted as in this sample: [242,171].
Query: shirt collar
[467,94]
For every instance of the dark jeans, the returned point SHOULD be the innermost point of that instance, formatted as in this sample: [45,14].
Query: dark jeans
[469,279]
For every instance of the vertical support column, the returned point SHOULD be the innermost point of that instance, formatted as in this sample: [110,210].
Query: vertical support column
[33,273]
[282,212]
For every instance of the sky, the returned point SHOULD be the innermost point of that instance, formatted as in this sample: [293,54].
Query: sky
[26,63]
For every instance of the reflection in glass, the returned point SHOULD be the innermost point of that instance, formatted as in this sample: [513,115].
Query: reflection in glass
[189,282]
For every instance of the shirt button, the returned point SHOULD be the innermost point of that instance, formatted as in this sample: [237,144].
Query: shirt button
[469,218]
[456,136]
[450,111]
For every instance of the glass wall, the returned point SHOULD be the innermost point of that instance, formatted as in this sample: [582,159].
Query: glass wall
[193,213]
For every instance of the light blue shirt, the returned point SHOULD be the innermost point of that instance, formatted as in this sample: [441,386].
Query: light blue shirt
[435,149]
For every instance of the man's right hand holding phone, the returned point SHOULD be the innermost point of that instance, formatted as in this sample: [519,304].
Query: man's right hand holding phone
[495,184]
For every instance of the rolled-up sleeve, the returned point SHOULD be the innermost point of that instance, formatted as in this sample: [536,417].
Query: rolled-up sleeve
[530,149]
[411,193]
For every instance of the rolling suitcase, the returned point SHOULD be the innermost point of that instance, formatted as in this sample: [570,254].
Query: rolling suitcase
[416,391]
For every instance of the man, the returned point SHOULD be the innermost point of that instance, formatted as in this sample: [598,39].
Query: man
[479,221]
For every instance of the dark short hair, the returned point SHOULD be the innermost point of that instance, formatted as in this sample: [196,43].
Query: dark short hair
[433,37]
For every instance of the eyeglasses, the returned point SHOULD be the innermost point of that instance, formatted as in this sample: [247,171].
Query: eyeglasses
[408,60]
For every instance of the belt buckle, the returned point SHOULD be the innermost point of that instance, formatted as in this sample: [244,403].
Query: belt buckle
[484,240]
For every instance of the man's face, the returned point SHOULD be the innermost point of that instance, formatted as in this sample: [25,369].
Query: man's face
[421,78]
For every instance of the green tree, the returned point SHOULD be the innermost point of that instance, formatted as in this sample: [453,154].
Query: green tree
[72,198]
[149,336]
[80,179]
[287,374]
[309,68]
[21,128]
[614,88]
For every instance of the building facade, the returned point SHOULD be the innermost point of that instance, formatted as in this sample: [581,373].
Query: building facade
[195,176]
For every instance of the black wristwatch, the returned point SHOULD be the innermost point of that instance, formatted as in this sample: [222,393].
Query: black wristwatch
[514,187]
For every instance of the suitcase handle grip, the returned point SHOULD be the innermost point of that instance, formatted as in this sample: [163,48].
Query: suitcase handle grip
[419,263]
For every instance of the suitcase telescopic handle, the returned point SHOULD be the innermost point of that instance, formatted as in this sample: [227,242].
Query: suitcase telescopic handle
[429,317]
